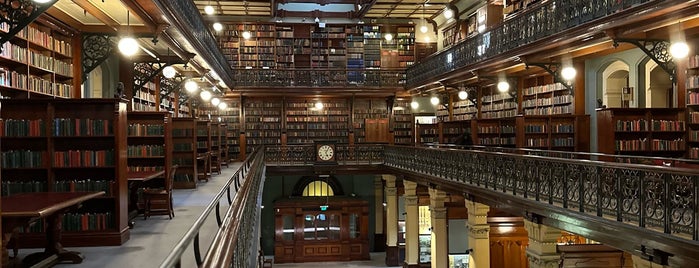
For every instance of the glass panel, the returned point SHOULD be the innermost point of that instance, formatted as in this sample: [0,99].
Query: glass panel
[424,220]
[322,227]
[309,227]
[288,227]
[425,248]
[334,232]
[353,226]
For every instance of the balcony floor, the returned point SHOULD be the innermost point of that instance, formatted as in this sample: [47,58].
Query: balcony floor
[377,260]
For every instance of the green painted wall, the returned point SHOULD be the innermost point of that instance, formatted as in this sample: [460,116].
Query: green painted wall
[280,187]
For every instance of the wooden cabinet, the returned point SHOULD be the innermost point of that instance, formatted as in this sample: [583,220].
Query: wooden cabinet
[65,145]
[203,132]
[304,232]
[184,152]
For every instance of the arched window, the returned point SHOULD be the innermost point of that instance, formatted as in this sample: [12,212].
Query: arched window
[317,188]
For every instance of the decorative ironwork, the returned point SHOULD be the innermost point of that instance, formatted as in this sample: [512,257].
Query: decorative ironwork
[554,69]
[144,72]
[96,48]
[531,25]
[340,78]
[658,51]
[18,14]
[512,81]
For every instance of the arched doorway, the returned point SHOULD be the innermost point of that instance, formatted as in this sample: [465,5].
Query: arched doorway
[615,86]
[658,87]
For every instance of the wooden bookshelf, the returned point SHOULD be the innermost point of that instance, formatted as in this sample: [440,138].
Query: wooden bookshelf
[184,153]
[203,135]
[495,132]
[403,122]
[218,140]
[306,123]
[69,145]
[372,47]
[554,132]
[692,86]
[38,62]
[263,122]
[541,96]
[424,49]
[231,116]
[355,53]
[639,131]
[494,104]
[428,133]
[451,130]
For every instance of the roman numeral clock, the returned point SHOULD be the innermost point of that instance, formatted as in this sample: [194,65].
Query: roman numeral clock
[326,152]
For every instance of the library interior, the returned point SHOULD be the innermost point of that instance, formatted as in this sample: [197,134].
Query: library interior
[424,133]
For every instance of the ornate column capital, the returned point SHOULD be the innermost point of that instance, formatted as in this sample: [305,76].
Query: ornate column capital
[547,261]
[391,191]
[478,231]
[411,200]
[439,213]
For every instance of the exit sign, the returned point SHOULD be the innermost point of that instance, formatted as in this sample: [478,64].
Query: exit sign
[323,207]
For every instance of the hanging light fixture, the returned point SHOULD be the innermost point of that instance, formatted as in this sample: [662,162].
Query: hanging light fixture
[503,86]
[42,1]
[448,13]
[169,72]
[208,9]
[423,28]
[679,50]
[319,105]
[434,100]
[218,26]
[414,104]
[222,105]
[205,95]
[388,37]
[568,73]
[246,33]
[215,101]
[191,86]
[128,46]
[463,94]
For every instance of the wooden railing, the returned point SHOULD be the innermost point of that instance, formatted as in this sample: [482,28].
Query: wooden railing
[235,243]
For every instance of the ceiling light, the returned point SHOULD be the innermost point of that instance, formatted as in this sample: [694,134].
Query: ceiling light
[215,101]
[169,72]
[218,26]
[359,7]
[434,100]
[568,73]
[247,34]
[319,105]
[205,95]
[679,50]
[448,13]
[128,46]
[222,106]
[388,37]
[481,28]
[463,95]
[414,105]
[191,86]
[423,29]
[209,10]
[503,86]
[42,1]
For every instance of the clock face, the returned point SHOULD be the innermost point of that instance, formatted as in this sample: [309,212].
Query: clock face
[325,152]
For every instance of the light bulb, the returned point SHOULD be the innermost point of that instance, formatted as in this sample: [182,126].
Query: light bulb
[448,13]
[423,28]
[42,1]
[222,106]
[679,50]
[209,10]
[434,100]
[463,95]
[247,34]
[388,37]
[319,105]
[503,86]
[128,46]
[568,73]
[215,101]
[205,95]
[169,72]
[191,86]
[414,105]
[218,26]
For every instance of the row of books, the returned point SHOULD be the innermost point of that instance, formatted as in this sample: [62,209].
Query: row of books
[82,127]
[182,132]
[73,222]
[83,158]
[145,150]
[137,129]
[23,159]
[23,127]
[182,147]
[496,129]
[144,168]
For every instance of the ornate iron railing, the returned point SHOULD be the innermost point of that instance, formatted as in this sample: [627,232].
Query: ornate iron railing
[302,155]
[538,22]
[235,243]
[344,78]
[652,197]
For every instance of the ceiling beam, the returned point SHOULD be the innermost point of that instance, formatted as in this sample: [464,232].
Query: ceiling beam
[99,14]
[365,8]
[320,2]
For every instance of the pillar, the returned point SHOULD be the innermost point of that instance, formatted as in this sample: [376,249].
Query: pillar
[379,236]
[412,227]
[478,235]
[440,244]
[541,251]
[392,250]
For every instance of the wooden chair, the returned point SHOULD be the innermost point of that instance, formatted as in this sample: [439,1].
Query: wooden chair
[264,262]
[159,200]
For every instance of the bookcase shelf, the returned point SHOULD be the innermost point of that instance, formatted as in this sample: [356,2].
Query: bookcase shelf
[49,161]
[203,147]
[231,116]
[263,122]
[365,114]
[428,133]
[218,140]
[496,132]
[184,152]
[497,105]
[38,61]
[656,131]
[692,86]
[541,96]
[306,123]
[403,122]
[553,132]
[451,130]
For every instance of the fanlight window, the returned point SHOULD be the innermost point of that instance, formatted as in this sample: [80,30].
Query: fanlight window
[318,188]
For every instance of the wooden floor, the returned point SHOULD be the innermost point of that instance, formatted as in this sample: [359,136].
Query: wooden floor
[377,260]
[153,239]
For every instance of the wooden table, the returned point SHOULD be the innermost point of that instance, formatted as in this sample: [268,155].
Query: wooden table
[22,209]
[136,179]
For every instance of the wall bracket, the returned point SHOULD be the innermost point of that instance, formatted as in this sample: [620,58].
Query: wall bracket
[657,50]
[96,49]
[554,69]
[18,14]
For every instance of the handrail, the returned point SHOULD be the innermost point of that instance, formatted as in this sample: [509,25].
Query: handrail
[192,235]
[320,77]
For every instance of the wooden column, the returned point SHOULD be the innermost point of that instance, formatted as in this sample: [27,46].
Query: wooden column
[412,225]
[440,241]
[126,75]
[379,235]
[392,250]
[542,251]
[478,234]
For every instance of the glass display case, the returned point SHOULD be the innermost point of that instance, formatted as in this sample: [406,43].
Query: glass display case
[458,260]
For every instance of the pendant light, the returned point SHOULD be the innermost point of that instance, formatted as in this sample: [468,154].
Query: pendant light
[128,46]
[246,33]
[208,9]
[423,28]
